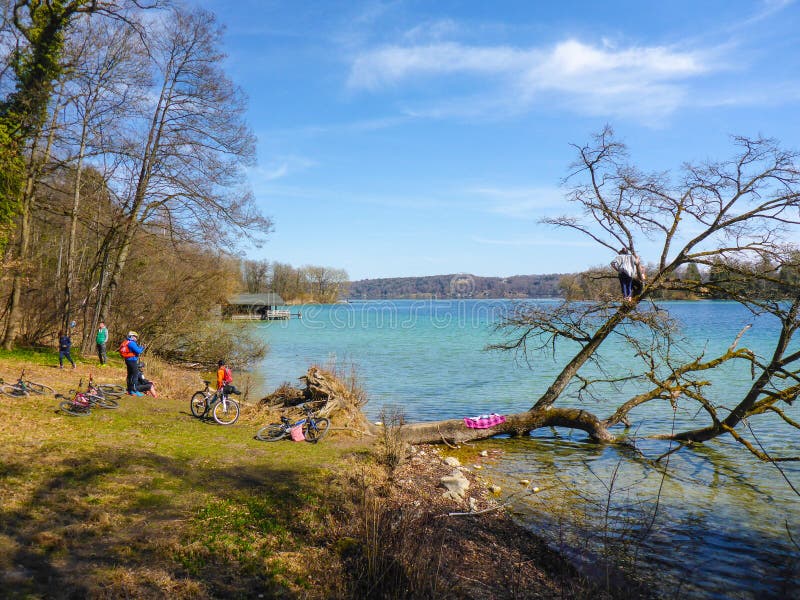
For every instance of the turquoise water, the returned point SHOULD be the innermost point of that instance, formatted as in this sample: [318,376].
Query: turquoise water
[714,527]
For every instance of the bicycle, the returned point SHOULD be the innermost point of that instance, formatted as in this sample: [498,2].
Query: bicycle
[82,402]
[99,397]
[314,428]
[78,406]
[24,387]
[112,390]
[223,409]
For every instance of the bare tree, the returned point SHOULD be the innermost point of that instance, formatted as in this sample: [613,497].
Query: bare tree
[183,166]
[744,212]
[255,275]
[106,73]
[325,284]
[40,29]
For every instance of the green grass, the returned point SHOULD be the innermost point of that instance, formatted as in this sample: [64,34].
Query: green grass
[146,498]
[49,356]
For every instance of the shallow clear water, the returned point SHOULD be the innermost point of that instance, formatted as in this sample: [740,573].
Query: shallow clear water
[720,520]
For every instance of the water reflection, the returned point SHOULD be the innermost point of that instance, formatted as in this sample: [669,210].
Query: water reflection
[725,533]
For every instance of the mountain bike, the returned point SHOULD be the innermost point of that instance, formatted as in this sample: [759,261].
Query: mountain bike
[112,390]
[314,428]
[78,406]
[98,397]
[223,410]
[82,402]
[25,387]
[108,398]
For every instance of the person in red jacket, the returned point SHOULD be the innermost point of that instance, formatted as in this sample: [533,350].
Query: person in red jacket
[130,351]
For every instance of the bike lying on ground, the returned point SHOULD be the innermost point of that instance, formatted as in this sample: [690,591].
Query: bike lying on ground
[78,406]
[81,403]
[25,387]
[223,410]
[109,390]
[313,428]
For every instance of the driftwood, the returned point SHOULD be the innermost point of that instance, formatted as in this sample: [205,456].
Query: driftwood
[331,395]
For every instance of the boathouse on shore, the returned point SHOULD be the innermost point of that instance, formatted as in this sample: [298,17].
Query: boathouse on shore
[255,307]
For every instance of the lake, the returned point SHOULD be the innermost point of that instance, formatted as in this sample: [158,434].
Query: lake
[715,524]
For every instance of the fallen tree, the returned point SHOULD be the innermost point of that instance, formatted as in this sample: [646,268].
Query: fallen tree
[735,220]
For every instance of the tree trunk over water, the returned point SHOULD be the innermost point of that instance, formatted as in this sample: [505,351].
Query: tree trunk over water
[455,431]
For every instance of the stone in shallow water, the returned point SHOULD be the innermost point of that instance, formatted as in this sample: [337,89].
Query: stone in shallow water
[452,461]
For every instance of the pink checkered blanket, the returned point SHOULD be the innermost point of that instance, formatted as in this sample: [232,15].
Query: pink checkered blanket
[484,421]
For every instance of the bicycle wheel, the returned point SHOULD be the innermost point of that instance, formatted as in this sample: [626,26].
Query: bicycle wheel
[114,395]
[102,402]
[227,412]
[111,388]
[271,433]
[39,388]
[13,390]
[198,404]
[74,409]
[316,429]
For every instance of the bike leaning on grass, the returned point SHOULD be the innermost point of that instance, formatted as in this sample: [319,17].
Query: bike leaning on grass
[222,408]
[25,387]
[313,428]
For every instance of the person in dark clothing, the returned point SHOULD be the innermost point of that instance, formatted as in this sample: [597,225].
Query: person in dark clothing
[130,351]
[143,385]
[64,347]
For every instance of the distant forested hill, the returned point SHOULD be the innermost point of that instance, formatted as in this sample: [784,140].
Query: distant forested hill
[457,286]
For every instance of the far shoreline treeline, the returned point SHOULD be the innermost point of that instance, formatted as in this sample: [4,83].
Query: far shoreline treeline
[596,283]
[459,285]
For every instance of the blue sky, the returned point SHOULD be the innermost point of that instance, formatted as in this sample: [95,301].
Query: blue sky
[407,138]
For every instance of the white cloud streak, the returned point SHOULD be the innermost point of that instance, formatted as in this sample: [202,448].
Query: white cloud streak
[648,82]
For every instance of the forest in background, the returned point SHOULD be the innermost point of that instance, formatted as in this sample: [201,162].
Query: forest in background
[296,285]
[457,286]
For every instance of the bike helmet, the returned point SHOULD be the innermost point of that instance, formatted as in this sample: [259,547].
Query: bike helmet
[133,334]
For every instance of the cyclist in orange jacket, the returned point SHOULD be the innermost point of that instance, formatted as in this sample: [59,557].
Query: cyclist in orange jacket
[225,379]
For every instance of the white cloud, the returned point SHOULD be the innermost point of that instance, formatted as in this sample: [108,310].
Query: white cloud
[279,168]
[649,81]
[391,65]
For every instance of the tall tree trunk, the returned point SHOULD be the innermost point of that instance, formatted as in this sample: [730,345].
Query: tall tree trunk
[73,228]
[149,154]
[569,371]
[14,322]
[35,166]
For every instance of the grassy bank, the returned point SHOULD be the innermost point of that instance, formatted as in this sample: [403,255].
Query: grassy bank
[148,502]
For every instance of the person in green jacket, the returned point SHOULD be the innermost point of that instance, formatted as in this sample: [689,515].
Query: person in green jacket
[101,339]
